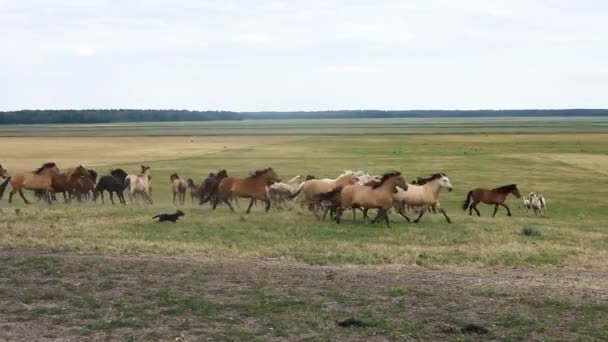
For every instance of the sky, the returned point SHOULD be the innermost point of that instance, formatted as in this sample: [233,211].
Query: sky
[280,55]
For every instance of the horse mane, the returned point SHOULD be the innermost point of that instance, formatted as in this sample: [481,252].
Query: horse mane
[44,166]
[422,181]
[174,176]
[386,176]
[257,173]
[309,177]
[222,173]
[505,188]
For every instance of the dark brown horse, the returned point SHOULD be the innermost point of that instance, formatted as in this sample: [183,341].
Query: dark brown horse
[252,187]
[495,196]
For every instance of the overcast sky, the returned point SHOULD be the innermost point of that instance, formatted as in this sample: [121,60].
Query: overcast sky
[251,55]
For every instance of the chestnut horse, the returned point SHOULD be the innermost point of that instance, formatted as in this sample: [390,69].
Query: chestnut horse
[495,196]
[40,179]
[252,187]
[66,181]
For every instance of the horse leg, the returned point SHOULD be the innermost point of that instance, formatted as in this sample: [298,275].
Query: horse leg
[354,214]
[250,205]
[174,194]
[445,215]
[10,196]
[112,197]
[403,214]
[495,210]
[508,210]
[229,205]
[385,213]
[22,196]
[102,199]
[48,197]
[365,215]
[420,215]
[121,197]
[267,205]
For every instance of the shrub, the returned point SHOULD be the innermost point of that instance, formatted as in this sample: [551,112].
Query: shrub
[531,230]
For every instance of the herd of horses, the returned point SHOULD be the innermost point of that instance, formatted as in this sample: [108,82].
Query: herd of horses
[351,190]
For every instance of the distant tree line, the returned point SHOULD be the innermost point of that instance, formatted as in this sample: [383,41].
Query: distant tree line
[141,115]
[360,114]
[110,115]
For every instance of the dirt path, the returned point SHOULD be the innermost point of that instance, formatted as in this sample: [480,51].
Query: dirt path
[68,297]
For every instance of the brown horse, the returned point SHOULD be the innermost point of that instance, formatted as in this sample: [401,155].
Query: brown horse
[65,182]
[40,179]
[178,187]
[84,187]
[495,196]
[378,196]
[253,187]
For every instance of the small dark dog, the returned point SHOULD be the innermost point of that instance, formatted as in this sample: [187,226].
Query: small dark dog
[169,217]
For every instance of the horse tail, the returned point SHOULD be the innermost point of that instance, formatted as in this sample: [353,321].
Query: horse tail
[127,183]
[153,217]
[325,196]
[467,200]
[3,186]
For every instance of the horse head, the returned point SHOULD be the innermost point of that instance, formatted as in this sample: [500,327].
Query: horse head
[3,172]
[515,191]
[173,177]
[81,171]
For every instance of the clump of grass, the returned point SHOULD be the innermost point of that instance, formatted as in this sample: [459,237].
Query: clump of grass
[531,230]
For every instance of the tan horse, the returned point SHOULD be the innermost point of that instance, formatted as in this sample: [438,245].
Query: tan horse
[140,185]
[40,179]
[4,179]
[378,196]
[314,187]
[179,187]
[253,187]
[424,196]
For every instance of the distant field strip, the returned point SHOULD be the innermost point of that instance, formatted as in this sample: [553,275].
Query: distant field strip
[318,127]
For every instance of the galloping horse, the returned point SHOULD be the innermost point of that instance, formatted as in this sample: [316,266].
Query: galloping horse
[112,183]
[178,187]
[140,184]
[66,181]
[209,188]
[279,192]
[253,187]
[425,196]
[40,179]
[314,187]
[495,196]
[379,196]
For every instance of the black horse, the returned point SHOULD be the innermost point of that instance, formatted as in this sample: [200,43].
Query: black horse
[114,182]
[208,190]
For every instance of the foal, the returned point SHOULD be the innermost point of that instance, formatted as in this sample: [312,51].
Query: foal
[496,196]
[179,187]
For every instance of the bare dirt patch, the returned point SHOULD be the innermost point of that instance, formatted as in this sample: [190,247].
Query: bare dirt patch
[93,297]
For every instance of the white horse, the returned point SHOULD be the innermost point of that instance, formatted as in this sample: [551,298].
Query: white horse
[140,185]
[425,196]
[279,193]
[535,202]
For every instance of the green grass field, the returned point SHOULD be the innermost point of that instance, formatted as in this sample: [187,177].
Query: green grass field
[284,275]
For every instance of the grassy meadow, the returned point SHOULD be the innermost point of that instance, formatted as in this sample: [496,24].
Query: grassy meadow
[285,275]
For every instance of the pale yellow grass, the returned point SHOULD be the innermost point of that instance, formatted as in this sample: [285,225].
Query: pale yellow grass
[28,153]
